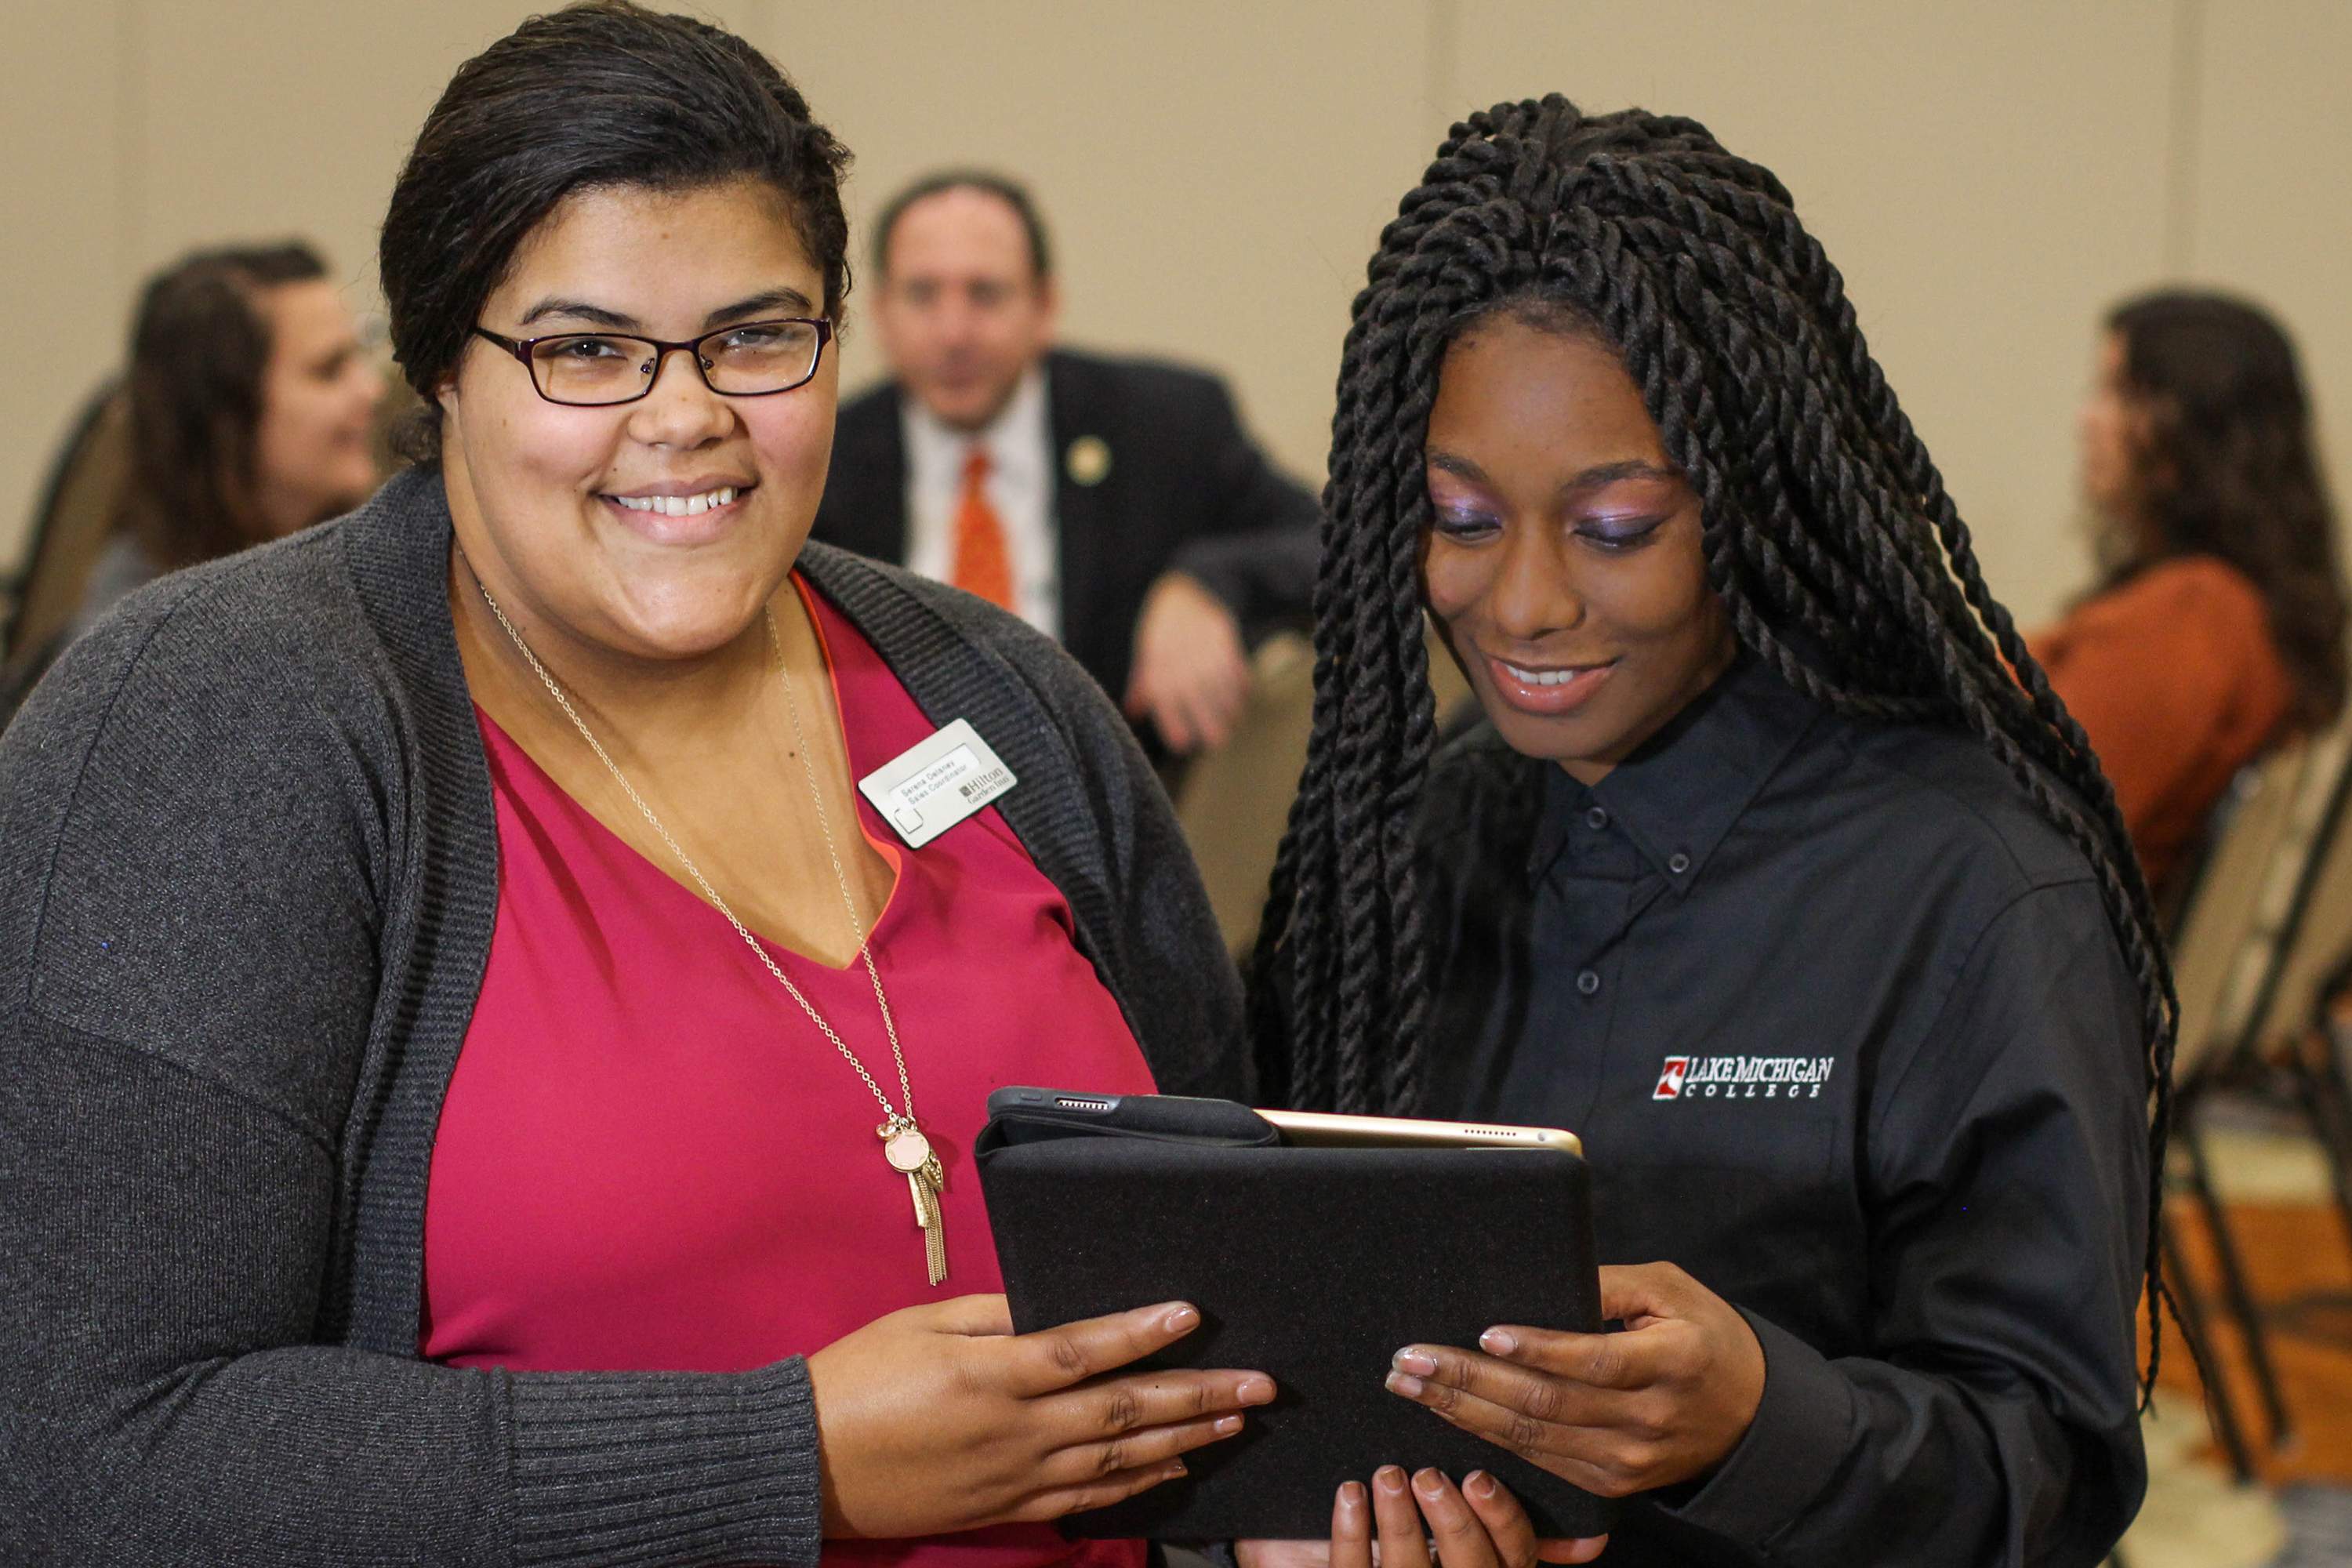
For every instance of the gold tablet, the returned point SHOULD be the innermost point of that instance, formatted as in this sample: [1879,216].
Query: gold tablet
[1324,1130]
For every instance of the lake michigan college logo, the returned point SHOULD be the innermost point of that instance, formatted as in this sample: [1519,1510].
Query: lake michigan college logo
[1742,1078]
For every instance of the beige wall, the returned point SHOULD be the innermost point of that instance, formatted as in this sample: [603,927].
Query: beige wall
[1989,176]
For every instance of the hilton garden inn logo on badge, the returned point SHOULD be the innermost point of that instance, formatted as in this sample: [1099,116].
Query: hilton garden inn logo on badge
[1743,1077]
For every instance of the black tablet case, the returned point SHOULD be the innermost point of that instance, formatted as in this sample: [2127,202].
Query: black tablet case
[1314,1265]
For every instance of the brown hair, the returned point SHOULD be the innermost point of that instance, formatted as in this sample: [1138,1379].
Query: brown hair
[199,355]
[601,94]
[2230,471]
[1009,191]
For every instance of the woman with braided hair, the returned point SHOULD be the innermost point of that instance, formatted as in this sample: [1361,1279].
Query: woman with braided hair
[1776,872]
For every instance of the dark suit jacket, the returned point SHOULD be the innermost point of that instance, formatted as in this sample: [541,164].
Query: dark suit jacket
[1185,488]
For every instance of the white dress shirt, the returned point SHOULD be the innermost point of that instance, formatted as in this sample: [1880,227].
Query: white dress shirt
[1020,486]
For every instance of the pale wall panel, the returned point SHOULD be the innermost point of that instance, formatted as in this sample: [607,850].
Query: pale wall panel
[1990,177]
[2273,172]
[272,116]
[275,117]
[61,190]
[151,127]
[1987,176]
[1214,173]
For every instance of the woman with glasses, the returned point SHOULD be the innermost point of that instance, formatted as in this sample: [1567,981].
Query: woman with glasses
[481,1082]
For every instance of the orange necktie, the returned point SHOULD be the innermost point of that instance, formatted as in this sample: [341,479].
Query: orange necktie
[983,565]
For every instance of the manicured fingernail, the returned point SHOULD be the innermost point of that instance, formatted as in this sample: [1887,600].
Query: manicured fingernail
[1181,1321]
[1413,1360]
[1429,1483]
[1410,1387]
[1479,1485]
[1226,1425]
[1389,1479]
[1255,1391]
[1175,1468]
[1499,1341]
[1351,1495]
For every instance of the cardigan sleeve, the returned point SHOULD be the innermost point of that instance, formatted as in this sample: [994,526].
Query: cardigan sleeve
[163,1239]
[1156,935]
[1088,809]
[196,828]
[1185,982]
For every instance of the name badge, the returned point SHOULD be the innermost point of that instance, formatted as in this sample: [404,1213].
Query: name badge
[933,785]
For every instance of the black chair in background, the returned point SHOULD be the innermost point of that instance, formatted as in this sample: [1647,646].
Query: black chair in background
[2262,933]
[71,525]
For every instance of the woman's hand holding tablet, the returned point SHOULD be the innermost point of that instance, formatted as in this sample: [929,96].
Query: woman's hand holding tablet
[940,1418]
[1665,1400]
[1477,1525]
[1097,1199]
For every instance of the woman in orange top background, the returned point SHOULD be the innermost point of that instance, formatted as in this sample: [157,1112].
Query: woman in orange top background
[2217,629]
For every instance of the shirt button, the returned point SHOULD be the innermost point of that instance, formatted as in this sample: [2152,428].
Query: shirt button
[1597,818]
[1678,862]
[1588,982]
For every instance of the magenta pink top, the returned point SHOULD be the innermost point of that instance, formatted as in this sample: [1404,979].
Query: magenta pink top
[648,1157]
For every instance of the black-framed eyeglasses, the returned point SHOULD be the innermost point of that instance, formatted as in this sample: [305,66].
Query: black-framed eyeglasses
[592,370]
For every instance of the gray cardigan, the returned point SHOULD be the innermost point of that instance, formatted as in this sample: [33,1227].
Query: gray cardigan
[247,877]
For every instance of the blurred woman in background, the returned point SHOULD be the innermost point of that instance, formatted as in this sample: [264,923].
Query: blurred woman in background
[252,404]
[2217,626]
[252,412]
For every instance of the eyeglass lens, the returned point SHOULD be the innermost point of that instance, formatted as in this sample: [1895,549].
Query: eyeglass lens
[602,367]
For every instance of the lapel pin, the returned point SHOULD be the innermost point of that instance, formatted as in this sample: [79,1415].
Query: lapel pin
[1088,461]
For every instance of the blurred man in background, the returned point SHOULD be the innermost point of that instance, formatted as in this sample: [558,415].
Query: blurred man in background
[1115,504]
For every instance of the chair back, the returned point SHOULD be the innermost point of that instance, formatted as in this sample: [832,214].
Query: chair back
[2251,894]
[1234,802]
[73,522]
[2319,926]
[2223,947]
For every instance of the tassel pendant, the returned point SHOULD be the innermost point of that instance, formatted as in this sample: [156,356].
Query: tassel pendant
[910,1154]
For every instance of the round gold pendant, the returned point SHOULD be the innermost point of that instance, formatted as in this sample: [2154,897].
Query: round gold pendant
[906,1151]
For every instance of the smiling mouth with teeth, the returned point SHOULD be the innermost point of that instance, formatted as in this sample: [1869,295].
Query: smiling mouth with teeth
[1547,677]
[678,505]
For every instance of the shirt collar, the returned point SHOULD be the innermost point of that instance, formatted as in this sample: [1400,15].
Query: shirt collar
[1016,438]
[1677,796]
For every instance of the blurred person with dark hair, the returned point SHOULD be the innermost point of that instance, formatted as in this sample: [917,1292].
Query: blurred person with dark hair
[1115,504]
[2217,626]
[252,403]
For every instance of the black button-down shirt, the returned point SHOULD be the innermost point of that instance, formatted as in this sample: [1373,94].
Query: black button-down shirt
[1847,1035]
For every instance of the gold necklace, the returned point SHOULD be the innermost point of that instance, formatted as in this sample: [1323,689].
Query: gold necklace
[903,1144]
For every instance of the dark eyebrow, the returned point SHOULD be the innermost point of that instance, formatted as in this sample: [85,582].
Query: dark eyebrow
[556,306]
[1591,478]
[790,300]
[766,300]
[1460,467]
[1611,473]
